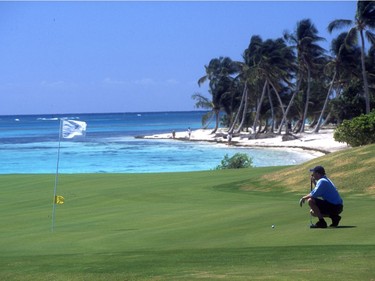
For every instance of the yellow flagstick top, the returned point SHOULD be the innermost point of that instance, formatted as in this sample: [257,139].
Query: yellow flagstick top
[59,200]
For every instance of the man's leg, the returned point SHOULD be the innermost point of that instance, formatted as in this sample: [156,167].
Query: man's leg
[315,211]
[335,220]
[335,215]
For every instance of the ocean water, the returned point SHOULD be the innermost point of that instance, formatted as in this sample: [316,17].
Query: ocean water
[29,144]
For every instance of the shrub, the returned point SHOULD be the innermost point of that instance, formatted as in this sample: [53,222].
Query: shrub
[358,131]
[237,161]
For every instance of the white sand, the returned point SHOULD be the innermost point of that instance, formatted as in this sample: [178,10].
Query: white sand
[317,143]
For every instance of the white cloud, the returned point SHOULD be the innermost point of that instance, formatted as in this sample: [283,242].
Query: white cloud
[53,84]
[113,81]
[145,81]
[141,82]
[172,82]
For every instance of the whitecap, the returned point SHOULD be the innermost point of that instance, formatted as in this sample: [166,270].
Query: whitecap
[48,119]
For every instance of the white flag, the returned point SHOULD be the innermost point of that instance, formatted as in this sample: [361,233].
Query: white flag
[72,128]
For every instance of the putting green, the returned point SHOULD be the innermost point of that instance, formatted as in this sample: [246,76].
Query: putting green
[176,226]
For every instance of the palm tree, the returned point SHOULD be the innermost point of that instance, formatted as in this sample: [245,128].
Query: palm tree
[242,108]
[219,73]
[305,40]
[205,103]
[341,67]
[270,63]
[363,23]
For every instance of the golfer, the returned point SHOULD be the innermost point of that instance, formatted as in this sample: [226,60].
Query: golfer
[324,200]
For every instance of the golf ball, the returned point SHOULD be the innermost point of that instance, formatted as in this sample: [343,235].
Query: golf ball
[273,226]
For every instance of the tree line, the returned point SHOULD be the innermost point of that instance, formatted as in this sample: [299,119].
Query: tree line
[284,82]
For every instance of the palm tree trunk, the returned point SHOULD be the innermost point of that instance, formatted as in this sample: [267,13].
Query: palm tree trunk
[231,129]
[317,127]
[279,99]
[260,106]
[272,110]
[326,120]
[244,111]
[364,74]
[217,121]
[307,99]
[289,106]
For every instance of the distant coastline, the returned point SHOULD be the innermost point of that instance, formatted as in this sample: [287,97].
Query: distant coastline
[51,115]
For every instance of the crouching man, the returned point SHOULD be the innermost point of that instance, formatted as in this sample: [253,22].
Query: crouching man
[324,200]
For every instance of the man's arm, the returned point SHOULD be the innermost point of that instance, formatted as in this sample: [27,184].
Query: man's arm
[304,198]
[313,181]
[308,196]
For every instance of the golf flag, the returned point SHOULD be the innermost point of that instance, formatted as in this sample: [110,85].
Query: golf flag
[68,130]
[59,200]
[72,128]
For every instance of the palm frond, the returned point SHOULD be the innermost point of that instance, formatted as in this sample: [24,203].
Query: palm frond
[370,36]
[202,80]
[207,119]
[201,101]
[351,38]
[365,9]
[338,24]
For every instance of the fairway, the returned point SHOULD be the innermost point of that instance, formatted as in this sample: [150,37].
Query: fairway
[212,225]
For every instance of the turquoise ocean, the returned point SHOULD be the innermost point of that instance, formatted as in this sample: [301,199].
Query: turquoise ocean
[29,144]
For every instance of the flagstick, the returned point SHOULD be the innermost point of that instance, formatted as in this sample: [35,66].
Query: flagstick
[56,179]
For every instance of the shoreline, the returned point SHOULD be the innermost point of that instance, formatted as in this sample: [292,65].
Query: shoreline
[317,143]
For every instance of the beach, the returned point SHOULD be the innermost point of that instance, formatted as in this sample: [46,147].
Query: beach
[316,143]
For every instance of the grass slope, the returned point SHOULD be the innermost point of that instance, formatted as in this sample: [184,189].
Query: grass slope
[353,171]
[212,225]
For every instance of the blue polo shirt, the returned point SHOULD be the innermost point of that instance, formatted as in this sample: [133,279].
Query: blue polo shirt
[326,189]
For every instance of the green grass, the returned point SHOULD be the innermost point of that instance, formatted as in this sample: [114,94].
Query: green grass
[353,171]
[212,225]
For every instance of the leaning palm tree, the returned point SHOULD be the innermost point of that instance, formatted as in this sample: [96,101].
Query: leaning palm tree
[271,61]
[334,63]
[341,66]
[305,40]
[219,74]
[363,24]
[242,108]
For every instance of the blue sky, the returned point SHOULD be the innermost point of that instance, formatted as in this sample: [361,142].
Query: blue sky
[130,56]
